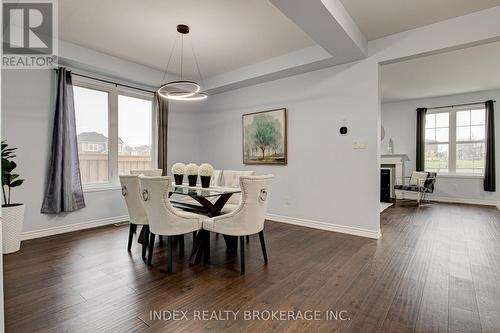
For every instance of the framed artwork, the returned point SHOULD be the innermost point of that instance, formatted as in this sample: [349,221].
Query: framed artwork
[265,137]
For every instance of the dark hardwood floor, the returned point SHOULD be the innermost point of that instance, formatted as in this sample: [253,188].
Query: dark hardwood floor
[436,269]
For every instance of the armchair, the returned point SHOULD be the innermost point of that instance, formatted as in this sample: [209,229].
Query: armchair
[420,183]
[248,217]
[136,212]
[163,218]
[147,172]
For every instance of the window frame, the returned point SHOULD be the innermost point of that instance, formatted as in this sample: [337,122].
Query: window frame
[452,140]
[114,91]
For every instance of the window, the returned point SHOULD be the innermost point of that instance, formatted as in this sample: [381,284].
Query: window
[91,111]
[455,141]
[92,147]
[437,142]
[115,131]
[134,134]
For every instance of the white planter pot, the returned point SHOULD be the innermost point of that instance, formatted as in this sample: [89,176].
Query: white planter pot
[12,221]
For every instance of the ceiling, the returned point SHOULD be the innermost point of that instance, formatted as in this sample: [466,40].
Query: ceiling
[386,17]
[467,70]
[229,34]
[226,34]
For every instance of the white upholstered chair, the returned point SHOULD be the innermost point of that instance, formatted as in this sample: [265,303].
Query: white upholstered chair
[163,218]
[232,179]
[147,172]
[137,214]
[248,218]
[215,180]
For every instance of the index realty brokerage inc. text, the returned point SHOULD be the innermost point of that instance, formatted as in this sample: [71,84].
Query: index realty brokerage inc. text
[225,315]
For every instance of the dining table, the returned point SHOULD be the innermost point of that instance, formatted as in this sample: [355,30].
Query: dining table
[206,201]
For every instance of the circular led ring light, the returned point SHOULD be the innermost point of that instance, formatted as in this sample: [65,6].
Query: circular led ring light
[179,89]
[194,97]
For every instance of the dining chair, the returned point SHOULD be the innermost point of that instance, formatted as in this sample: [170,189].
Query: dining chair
[137,214]
[248,218]
[147,172]
[232,179]
[164,219]
[215,180]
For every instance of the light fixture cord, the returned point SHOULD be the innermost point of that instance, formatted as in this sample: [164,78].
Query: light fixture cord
[182,53]
[168,63]
[196,61]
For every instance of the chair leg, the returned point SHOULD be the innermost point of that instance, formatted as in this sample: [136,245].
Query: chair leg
[181,245]
[161,240]
[263,245]
[170,246]
[242,255]
[131,232]
[248,238]
[194,235]
[206,246]
[151,247]
[145,242]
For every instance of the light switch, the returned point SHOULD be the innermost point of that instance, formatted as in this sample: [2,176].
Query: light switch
[359,144]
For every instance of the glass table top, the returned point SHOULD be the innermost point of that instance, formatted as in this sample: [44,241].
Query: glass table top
[202,192]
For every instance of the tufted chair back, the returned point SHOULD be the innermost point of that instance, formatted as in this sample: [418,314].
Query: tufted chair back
[215,180]
[163,218]
[131,193]
[232,179]
[149,172]
[248,218]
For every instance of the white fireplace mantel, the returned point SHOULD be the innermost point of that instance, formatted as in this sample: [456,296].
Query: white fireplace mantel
[397,161]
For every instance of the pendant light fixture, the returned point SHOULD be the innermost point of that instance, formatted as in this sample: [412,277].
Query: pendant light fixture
[182,90]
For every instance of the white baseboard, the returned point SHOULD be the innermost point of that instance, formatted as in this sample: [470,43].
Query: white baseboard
[325,226]
[413,196]
[72,227]
[466,201]
[278,218]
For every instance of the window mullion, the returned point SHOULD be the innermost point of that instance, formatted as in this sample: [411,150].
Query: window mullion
[113,136]
[452,149]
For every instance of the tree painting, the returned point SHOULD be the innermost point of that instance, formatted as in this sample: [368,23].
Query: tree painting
[264,137]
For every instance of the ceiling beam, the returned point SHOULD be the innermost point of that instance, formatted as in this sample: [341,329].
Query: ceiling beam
[292,63]
[329,25]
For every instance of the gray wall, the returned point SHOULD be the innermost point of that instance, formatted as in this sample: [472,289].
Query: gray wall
[27,120]
[399,121]
[325,179]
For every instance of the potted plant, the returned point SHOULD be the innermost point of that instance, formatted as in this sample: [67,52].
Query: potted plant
[206,171]
[12,213]
[192,173]
[178,170]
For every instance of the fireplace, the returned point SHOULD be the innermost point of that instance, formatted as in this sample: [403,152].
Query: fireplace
[392,168]
[385,185]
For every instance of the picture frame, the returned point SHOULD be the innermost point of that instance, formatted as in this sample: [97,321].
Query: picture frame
[265,137]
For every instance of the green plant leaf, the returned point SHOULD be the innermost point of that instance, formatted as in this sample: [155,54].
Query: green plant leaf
[11,166]
[17,183]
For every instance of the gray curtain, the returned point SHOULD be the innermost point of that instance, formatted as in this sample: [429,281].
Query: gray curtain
[161,106]
[420,158]
[63,191]
[489,183]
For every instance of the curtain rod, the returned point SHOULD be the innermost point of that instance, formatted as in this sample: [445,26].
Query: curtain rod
[455,105]
[107,81]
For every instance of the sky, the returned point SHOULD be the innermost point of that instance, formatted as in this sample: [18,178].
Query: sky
[134,116]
